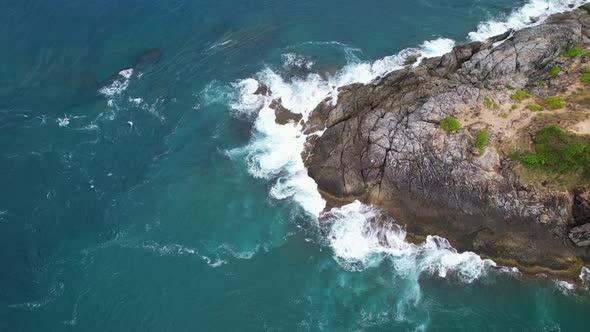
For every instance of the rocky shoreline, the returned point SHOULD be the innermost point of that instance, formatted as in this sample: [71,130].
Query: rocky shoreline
[385,143]
[433,144]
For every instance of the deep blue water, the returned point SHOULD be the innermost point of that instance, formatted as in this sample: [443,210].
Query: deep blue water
[139,209]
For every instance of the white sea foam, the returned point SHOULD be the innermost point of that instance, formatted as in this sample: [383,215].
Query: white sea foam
[180,250]
[220,44]
[136,101]
[296,60]
[126,73]
[247,102]
[113,93]
[510,270]
[63,122]
[533,13]
[585,275]
[359,240]
[276,149]
[564,286]
[274,153]
[118,85]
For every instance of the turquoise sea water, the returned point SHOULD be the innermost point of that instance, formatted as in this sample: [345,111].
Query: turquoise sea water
[159,199]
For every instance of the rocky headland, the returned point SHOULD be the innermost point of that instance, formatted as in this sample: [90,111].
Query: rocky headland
[487,146]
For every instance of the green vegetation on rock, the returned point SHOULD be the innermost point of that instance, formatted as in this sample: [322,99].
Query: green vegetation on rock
[573,52]
[514,106]
[488,102]
[558,151]
[450,124]
[555,71]
[586,76]
[509,87]
[541,83]
[534,107]
[555,102]
[496,106]
[481,140]
[519,95]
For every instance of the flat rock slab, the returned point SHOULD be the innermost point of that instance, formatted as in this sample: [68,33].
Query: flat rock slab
[580,235]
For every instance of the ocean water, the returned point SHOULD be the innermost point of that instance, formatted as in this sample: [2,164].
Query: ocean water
[145,188]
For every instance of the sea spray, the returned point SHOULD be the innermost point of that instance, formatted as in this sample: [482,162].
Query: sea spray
[362,236]
[365,237]
[275,150]
[532,13]
[275,153]
[585,276]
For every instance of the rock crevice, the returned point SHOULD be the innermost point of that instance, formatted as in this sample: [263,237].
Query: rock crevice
[382,143]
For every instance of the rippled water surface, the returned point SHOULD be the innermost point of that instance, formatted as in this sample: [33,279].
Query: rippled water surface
[144,187]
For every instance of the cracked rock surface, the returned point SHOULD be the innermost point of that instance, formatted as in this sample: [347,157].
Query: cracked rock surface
[383,145]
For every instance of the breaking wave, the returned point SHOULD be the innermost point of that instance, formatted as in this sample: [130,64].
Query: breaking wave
[274,153]
[361,239]
[532,13]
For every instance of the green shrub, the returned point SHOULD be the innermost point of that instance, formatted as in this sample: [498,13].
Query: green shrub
[481,140]
[585,54]
[559,151]
[541,83]
[504,116]
[554,103]
[532,160]
[488,102]
[514,155]
[509,87]
[573,52]
[496,106]
[586,76]
[514,106]
[555,71]
[519,95]
[534,107]
[450,124]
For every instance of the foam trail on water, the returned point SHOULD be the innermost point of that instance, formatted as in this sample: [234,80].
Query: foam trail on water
[533,13]
[295,60]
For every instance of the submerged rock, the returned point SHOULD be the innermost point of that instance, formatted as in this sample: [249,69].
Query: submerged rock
[148,58]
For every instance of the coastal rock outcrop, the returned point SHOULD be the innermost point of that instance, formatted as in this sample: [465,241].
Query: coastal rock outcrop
[581,235]
[382,143]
